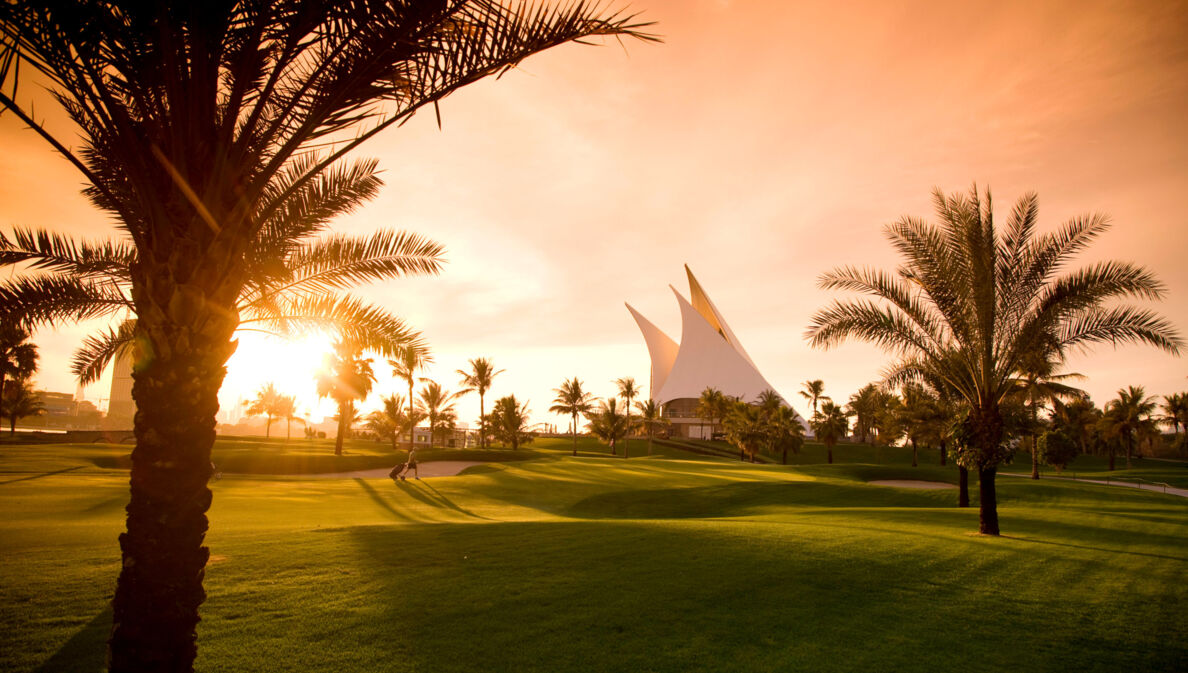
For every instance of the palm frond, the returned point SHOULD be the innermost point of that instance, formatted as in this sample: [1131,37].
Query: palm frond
[53,299]
[49,251]
[1125,324]
[866,321]
[365,326]
[341,262]
[98,350]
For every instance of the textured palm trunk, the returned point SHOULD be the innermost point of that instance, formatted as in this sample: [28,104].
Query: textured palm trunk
[962,487]
[155,608]
[944,449]
[268,427]
[829,452]
[987,502]
[1034,458]
[1129,450]
[1111,451]
[342,425]
[915,462]
[483,423]
[784,457]
[573,430]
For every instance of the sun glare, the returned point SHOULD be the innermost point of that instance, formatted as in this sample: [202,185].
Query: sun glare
[290,364]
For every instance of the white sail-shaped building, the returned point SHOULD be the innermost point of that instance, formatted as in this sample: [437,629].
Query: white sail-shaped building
[709,355]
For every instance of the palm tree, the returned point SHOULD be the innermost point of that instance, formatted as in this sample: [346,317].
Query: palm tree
[607,424]
[438,404]
[18,355]
[192,159]
[479,379]
[286,408]
[814,391]
[1037,384]
[267,403]
[345,376]
[1175,409]
[571,400]
[408,360]
[746,427]
[1077,419]
[830,425]
[20,401]
[863,406]
[711,406]
[651,416]
[628,392]
[970,302]
[917,413]
[785,431]
[1128,417]
[509,422]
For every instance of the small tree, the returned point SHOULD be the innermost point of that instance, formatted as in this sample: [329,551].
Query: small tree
[652,418]
[286,408]
[628,391]
[607,424]
[830,424]
[18,355]
[571,400]
[509,422]
[267,403]
[1056,449]
[19,402]
[482,373]
[345,377]
[746,428]
[438,404]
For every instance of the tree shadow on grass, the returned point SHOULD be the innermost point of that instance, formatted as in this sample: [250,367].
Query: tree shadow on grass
[42,474]
[383,502]
[85,651]
[441,500]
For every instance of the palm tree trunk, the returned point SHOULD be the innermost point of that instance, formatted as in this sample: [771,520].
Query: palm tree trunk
[987,502]
[829,452]
[944,449]
[412,427]
[155,608]
[1111,450]
[1034,458]
[649,442]
[914,454]
[962,487]
[573,431]
[268,427]
[1129,448]
[483,423]
[342,426]
[784,458]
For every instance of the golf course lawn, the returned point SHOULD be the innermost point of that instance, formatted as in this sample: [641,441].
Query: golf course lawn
[540,561]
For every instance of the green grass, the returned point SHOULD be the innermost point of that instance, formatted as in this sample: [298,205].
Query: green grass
[552,563]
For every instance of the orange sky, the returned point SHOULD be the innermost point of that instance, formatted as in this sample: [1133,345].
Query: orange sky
[762,144]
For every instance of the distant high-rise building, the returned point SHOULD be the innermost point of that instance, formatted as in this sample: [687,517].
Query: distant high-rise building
[708,356]
[121,408]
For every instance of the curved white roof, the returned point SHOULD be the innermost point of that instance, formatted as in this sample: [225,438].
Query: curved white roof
[709,355]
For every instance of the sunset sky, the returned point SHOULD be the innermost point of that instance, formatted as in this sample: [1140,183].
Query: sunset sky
[762,143]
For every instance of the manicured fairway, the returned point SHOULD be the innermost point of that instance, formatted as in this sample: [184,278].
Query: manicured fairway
[599,564]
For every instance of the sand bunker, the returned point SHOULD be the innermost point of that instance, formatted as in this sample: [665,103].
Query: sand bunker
[438,468]
[912,483]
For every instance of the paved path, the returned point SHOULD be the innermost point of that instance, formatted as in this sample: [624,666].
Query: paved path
[437,468]
[1158,488]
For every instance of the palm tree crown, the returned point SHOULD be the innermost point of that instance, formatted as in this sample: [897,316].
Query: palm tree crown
[346,376]
[571,400]
[479,379]
[970,302]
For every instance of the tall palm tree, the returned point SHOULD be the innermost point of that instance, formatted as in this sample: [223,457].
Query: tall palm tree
[267,403]
[1175,410]
[1129,416]
[408,361]
[628,391]
[969,302]
[652,418]
[1077,419]
[20,401]
[286,408]
[785,431]
[830,425]
[345,376]
[863,406]
[711,407]
[187,120]
[509,422]
[917,414]
[479,379]
[814,392]
[571,400]
[438,404]
[746,427]
[18,355]
[1037,384]
[606,423]
[390,421]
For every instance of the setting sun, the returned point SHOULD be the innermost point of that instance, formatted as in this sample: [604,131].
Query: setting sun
[289,364]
